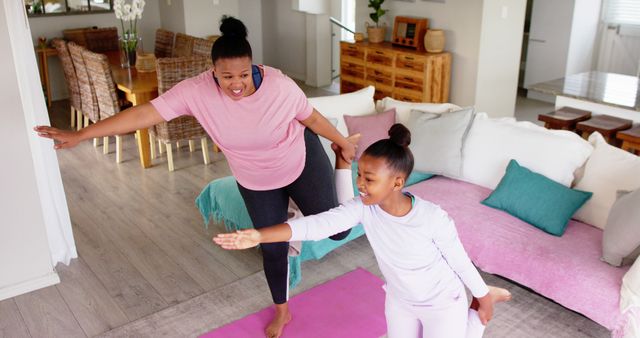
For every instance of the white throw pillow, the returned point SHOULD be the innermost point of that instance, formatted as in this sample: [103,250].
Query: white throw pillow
[356,103]
[491,143]
[608,170]
[437,140]
[403,109]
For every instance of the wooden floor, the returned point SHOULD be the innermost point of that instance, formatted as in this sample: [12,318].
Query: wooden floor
[147,266]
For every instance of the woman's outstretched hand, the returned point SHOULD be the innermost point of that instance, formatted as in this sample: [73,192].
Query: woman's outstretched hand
[241,239]
[62,138]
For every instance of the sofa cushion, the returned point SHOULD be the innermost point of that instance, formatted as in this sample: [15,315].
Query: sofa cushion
[535,199]
[565,269]
[415,177]
[608,170]
[491,143]
[403,109]
[437,140]
[621,237]
[372,128]
[356,103]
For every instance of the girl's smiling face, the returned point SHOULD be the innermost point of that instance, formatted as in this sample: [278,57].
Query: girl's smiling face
[376,181]
[234,76]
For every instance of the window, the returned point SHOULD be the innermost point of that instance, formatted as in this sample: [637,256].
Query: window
[625,12]
[64,7]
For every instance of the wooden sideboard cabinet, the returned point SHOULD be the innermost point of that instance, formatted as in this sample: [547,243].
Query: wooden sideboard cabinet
[403,74]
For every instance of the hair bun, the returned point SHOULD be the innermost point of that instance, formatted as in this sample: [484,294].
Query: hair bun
[232,27]
[400,135]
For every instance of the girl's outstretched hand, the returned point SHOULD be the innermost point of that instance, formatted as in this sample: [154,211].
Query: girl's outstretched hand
[62,138]
[241,239]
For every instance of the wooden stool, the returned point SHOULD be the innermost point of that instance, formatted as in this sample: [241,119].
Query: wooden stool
[564,118]
[606,125]
[630,140]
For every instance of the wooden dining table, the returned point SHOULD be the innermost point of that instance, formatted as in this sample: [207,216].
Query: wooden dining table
[139,88]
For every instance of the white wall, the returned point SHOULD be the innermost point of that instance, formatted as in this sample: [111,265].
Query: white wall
[25,258]
[172,15]
[53,26]
[284,33]
[461,20]
[499,57]
[202,17]
[584,29]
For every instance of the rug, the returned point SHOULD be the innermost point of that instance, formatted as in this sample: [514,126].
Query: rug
[351,305]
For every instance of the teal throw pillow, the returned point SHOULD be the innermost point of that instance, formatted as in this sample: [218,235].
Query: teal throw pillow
[535,199]
[415,177]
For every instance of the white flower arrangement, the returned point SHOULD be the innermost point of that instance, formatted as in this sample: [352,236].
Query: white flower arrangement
[130,13]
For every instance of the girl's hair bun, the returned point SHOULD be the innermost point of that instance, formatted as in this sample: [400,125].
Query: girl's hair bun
[232,27]
[400,135]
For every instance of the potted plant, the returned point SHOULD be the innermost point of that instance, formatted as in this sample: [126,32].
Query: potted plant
[376,33]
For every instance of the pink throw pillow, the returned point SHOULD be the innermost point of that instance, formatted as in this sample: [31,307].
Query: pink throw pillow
[372,127]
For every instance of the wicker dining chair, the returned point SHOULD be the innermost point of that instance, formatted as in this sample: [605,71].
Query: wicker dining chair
[108,102]
[170,71]
[70,78]
[202,47]
[164,43]
[88,97]
[183,46]
[101,40]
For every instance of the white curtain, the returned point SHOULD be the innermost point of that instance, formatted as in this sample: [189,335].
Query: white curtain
[51,191]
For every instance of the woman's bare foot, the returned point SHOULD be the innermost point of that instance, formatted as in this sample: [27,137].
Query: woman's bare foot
[282,318]
[340,162]
[498,295]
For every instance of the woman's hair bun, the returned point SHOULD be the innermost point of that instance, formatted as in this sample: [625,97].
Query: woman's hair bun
[400,135]
[230,26]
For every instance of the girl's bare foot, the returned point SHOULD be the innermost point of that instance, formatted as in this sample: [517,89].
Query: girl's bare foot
[498,295]
[340,162]
[280,320]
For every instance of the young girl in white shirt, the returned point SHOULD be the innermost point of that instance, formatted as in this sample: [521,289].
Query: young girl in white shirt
[415,243]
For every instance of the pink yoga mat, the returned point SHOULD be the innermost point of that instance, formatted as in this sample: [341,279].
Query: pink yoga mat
[351,305]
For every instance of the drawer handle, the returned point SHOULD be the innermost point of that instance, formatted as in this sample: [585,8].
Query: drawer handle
[379,52]
[408,57]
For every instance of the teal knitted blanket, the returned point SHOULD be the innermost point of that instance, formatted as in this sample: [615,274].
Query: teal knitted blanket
[220,201]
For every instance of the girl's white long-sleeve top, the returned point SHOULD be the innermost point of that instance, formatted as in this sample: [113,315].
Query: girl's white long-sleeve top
[419,254]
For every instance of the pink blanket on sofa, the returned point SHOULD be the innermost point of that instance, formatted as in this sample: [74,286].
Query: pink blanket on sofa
[566,269]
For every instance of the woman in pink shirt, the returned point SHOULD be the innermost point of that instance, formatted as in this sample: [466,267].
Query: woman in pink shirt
[267,130]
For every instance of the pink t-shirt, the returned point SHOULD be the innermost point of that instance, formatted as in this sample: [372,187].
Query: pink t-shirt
[260,134]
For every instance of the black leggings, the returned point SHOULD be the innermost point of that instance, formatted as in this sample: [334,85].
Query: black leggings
[313,191]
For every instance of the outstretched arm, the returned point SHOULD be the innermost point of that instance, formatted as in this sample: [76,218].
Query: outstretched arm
[138,117]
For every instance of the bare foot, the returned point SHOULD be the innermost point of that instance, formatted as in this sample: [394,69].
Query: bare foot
[340,162]
[498,295]
[282,318]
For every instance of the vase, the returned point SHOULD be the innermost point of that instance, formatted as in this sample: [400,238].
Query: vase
[434,41]
[375,34]
[129,46]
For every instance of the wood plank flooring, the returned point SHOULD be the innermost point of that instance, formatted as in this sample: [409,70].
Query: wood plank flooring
[147,267]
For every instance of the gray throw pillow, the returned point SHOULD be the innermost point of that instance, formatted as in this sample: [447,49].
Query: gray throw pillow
[621,238]
[437,140]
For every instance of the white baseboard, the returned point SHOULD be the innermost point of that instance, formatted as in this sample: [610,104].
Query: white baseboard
[29,285]
[532,94]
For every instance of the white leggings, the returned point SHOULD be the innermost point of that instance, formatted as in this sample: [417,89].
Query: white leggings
[453,320]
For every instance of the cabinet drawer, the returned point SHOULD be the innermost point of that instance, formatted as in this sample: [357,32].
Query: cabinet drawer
[410,62]
[410,78]
[382,92]
[348,85]
[351,50]
[407,95]
[352,69]
[380,75]
[381,57]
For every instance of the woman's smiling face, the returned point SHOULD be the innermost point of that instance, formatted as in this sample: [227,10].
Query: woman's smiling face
[234,76]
